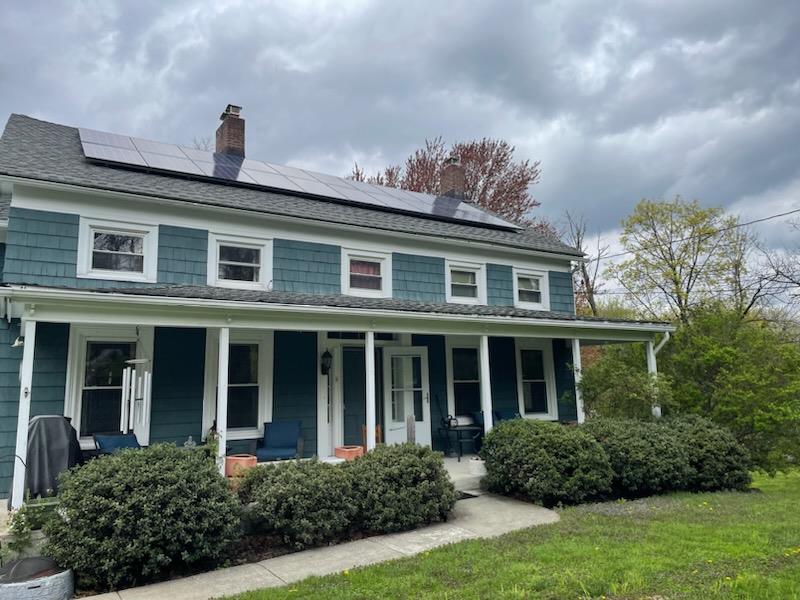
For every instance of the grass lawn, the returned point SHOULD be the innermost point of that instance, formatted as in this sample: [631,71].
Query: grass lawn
[723,545]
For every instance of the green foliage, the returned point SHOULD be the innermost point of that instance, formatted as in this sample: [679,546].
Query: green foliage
[139,515]
[717,460]
[306,503]
[744,375]
[545,462]
[647,458]
[401,487]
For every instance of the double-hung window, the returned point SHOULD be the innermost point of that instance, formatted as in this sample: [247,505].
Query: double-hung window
[101,389]
[118,251]
[366,273]
[465,283]
[530,290]
[239,262]
[466,381]
[536,379]
[243,386]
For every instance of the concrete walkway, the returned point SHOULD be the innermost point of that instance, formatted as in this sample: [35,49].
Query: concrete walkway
[480,517]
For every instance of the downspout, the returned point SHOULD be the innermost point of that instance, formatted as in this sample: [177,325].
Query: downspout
[661,344]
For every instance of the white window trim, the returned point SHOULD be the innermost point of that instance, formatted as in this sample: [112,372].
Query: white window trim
[451,342]
[79,336]
[264,245]
[385,259]
[546,346]
[265,341]
[480,279]
[544,288]
[86,228]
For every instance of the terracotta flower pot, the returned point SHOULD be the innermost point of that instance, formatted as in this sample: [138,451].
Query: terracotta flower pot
[237,464]
[348,452]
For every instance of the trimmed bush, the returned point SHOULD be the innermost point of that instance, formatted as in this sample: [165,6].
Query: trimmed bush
[545,462]
[647,458]
[717,460]
[401,487]
[306,503]
[140,515]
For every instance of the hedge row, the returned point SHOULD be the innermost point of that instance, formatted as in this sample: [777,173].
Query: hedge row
[612,458]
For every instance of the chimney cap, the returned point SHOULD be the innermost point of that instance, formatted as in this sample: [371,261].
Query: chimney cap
[231,111]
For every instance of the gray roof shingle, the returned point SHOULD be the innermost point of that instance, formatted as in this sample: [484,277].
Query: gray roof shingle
[40,150]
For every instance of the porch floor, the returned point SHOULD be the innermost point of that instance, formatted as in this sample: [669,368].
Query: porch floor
[480,517]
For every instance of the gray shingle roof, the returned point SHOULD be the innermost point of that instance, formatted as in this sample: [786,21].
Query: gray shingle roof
[40,150]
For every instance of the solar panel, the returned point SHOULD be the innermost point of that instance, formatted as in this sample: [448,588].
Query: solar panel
[170,158]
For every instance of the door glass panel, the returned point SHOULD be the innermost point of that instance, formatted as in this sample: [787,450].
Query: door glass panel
[418,405]
[406,387]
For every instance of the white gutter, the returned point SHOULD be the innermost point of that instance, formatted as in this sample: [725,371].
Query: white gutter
[32,294]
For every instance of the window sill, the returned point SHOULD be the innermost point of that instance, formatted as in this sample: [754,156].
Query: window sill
[460,300]
[541,416]
[531,306]
[366,293]
[242,285]
[117,276]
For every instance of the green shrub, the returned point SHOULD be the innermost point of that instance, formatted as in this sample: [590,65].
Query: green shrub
[646,457]
[140,515]
[401,487]
[545,462]
[717,460]
[306,503]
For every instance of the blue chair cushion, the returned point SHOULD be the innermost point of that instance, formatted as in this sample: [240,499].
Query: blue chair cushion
[282,434]
[112,442]
[267,454]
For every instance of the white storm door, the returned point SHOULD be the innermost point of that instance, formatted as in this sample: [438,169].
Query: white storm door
[406,392]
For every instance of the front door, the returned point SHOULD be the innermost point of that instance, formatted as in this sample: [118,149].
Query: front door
[406,394]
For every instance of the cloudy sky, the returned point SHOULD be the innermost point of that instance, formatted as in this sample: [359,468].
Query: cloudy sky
[619,100]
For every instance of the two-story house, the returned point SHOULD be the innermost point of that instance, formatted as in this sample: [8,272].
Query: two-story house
[168,291]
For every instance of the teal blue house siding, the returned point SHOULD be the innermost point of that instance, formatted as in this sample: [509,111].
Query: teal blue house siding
[418,278]
[50,369]
[354,392]
[503,371]
[562,298]
[565,380]
[500,285]
[182,255]
[306,267]
[295,383]
[178,380]
[2,259]
[9,401]
[437,381]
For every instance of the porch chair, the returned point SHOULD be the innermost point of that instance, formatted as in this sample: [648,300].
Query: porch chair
[506,415]
[110,443]
[282,440]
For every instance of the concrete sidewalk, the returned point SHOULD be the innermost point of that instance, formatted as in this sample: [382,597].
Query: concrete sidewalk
[480,517]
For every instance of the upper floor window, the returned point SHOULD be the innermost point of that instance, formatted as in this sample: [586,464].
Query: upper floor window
[240,262]
[366,273]
[465,283]
[530,290]
[114,250]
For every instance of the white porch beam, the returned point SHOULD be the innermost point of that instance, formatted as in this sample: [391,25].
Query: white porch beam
[369,359]
[577,368]
[222,396]
[652,369]
[486,384]
[28,333]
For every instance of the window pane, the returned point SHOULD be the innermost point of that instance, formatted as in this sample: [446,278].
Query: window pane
[464,291]
[117,262]
[534,394]
[251,256]
[100,411]
[243,363]
[528,296]
[118,242]
[238,273]
[532,364]
[399,405]
[467,277]
[465,364]
[243,406]
[528,283]
[467,398]
[365,267]
[418,405]
[365,282]
[105,362]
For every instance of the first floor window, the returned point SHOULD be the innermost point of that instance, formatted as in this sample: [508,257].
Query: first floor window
[534,386]
[243,391]
[117,251]
[529,289]
[239,263]
[466,381]
[101,396]
[463,284]
[365,274]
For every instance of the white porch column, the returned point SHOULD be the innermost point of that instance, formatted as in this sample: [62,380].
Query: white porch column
[28,333]
[222,396]
[576,365]
[486,384]
[652,368]
[369,359]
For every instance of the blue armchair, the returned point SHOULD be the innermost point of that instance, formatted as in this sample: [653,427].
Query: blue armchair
[282,440]
[107,444]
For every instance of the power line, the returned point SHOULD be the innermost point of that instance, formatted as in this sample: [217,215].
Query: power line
[691,237]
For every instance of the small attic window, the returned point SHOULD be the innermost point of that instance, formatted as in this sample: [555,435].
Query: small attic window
[117,251]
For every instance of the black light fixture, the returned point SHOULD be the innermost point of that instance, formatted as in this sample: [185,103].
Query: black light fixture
[325,362]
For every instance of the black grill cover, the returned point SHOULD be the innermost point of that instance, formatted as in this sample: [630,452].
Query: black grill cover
[52,449]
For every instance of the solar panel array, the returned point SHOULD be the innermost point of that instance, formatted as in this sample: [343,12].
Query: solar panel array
[170,158]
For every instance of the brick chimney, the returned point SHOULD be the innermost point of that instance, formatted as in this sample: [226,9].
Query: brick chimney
[452,181]
[230,134]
